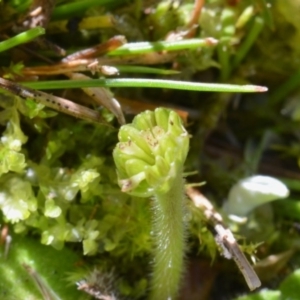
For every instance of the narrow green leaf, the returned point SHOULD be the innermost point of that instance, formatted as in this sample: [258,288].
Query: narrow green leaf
[21,38]
[146,83]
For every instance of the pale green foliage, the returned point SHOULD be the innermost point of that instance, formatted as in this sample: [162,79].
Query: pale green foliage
[78,201]
[51,209]
[16,199]
[11,143]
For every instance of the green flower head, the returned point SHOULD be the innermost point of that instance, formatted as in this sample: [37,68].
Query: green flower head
[150,153]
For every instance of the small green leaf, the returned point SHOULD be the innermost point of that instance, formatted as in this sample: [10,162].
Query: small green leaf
[90,247]
[290,287]
[51,209]
[17,200]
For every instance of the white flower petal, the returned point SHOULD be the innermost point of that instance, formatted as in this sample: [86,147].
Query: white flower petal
[253,191]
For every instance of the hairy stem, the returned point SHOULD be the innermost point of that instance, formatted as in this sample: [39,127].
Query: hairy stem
[169,234]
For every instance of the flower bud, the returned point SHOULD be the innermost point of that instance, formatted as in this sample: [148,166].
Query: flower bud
[150,153]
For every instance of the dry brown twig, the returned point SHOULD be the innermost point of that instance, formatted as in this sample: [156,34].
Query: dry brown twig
[224,238]
[52,101]
[68,67]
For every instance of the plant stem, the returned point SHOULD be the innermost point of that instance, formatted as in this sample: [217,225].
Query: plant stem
[169,233]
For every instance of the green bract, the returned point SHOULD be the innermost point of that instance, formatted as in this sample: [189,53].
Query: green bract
[150,153]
